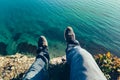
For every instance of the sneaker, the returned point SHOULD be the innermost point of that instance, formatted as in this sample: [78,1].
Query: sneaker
[42,44]
[69,36]
[42,50]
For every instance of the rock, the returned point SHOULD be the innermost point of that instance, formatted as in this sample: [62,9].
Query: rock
[12,66]
[58,60]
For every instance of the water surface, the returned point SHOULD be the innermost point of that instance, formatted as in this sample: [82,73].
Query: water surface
[96,24]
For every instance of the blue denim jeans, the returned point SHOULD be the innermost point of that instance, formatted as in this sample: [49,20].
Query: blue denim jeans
[38,70]
[82,64]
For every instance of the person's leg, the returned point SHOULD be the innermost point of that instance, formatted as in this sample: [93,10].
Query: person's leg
[38,70]
[82,64]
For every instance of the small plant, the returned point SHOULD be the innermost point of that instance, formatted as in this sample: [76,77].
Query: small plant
[109,64]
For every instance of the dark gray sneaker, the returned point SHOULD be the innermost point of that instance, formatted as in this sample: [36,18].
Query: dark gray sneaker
[69,36]
[42,42]
[42,50]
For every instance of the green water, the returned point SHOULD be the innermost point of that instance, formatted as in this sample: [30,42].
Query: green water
[95,22]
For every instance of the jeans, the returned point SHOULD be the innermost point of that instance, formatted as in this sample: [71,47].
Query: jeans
[82,64]
[38,70]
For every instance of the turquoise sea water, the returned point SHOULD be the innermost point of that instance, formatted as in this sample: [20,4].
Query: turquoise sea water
[95,22]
